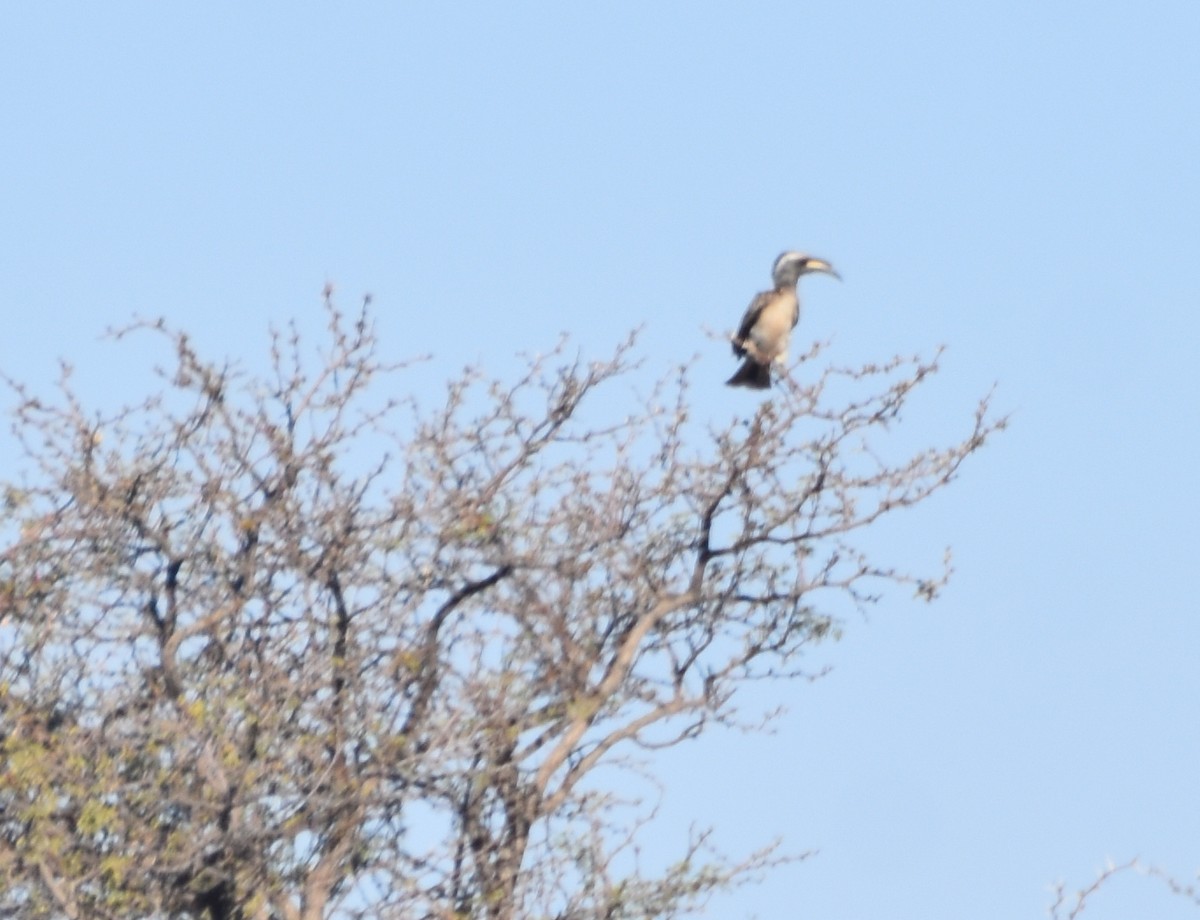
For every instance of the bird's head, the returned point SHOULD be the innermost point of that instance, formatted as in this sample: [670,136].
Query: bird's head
[791,265]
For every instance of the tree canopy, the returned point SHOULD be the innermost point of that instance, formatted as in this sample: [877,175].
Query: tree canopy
[285,646]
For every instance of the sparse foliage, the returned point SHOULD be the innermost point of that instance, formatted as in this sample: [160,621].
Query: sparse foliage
[281,648]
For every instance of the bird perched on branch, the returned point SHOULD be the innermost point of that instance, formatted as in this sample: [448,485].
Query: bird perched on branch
[766,329]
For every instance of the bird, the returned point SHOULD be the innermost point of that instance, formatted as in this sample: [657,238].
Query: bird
[766,328]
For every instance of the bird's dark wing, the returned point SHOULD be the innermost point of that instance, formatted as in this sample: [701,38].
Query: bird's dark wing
[749,318]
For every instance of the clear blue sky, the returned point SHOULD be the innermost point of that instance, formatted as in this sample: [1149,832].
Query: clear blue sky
[1019,181]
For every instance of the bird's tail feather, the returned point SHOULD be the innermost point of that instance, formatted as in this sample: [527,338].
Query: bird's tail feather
[751,374]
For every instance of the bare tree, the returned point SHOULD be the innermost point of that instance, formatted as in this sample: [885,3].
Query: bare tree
[281,648]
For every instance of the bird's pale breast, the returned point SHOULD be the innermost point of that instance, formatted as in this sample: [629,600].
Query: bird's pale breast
[774,326]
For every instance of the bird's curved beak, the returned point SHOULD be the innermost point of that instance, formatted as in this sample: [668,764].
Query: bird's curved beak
[820,265]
